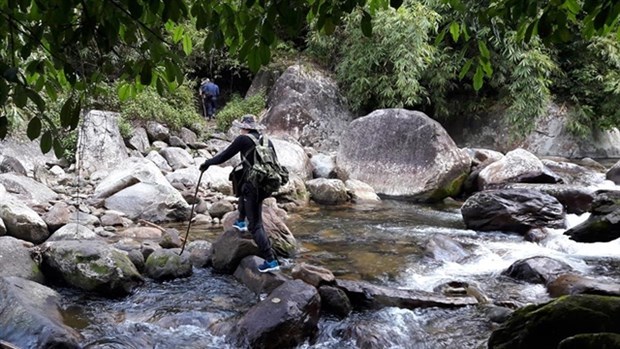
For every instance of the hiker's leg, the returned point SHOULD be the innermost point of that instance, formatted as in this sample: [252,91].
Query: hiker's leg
[254,212]
[241,208]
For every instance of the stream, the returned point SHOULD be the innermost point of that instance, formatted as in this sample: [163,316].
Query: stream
[381,243]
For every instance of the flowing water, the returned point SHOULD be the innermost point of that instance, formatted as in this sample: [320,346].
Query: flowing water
[382,243]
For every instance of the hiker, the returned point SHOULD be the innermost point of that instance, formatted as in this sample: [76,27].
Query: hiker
[250,198]
[209,93]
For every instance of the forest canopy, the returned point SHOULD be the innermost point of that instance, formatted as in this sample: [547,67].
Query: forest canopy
[59,53]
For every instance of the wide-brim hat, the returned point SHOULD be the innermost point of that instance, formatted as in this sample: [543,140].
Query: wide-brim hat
[248,122]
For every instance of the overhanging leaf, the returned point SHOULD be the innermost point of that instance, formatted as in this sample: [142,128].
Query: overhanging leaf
[366,24]
[59,150]
[455,31]
[65,113]
[4,126]
[465,68]
[46,142]
[34,128]
[478,78]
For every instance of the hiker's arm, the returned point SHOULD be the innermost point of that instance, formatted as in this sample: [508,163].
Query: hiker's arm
[227,153]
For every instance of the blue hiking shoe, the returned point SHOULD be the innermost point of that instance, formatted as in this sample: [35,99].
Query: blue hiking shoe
[269,266]
[240,225]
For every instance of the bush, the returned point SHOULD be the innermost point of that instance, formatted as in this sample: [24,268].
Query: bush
[238,107]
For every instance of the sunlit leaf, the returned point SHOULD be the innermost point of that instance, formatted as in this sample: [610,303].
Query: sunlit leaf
[454,31]
[465,69]
[478,78]
[187,44]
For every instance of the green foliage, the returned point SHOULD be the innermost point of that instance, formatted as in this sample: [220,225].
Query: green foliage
[238,107]
[174,109]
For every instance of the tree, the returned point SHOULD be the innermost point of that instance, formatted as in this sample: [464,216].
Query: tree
[74,44]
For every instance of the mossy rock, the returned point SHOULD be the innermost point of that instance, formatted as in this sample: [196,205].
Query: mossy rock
[546,325]
[592,341]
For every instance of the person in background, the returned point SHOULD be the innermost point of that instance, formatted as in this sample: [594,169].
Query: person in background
[250,199]
[209,93]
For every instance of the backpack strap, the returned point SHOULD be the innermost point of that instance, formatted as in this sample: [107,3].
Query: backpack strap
[256,143]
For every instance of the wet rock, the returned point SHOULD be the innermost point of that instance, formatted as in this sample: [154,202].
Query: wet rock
[536,270]
[31,316]
[229,249]
[327,191]
[366,295]
[613,174]
[293,310]
[514,210]
[570,284]
[575,199]
[418,160]
[335,301]
[603,224]
[165,264]
[498,314]
[91,266]
[259,283]
[220,208]
[444,249]
[137,258]
[15,260]
[591,341]
[536,234]
[312,274]
[574,174]
[546,325]
[323,166]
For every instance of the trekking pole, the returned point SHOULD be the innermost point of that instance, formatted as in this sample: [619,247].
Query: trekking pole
[191,213]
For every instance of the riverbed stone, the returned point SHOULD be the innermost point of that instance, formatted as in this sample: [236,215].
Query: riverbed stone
[537,270]
[365,295]
[167,264]
[327,191]
[512,210]
[603,224]
[361,192]
[575,198]
[15,260]
[57,216]
[73,231]
[91,266]
[21,221]
[27,189]
[516,166]
[312,274]
[259,283]
[546,325]
[293,310]
[571,284]
[31,316]
[404,154]
[591,341]
[335,301]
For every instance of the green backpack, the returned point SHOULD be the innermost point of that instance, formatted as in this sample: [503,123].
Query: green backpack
[266,175]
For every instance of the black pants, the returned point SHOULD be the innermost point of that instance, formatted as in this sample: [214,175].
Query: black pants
[251,205]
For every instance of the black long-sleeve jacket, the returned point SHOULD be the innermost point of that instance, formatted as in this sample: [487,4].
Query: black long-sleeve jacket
[242,144]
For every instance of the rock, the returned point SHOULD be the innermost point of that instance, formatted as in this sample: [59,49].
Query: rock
[360,191]
[312,274]
[444,249]
[292,156]
[139,140]
[21,221]
[575,199]
[335,301]
[366,295]
[571,284]
[306,104]
[293,310]
[220,208]
[603,224]
[170,239]
[73,231]
[31,316]
[536,270]
[405,154]
[57,216]
[591,341]
[167,265]
[151,202]
[9,164]
[327,191]
[91,266]
[27,189]
[177,157]
[513,210]
[100,145]
[516,166]
[16,261]
[157,132]
[546,325]
[259,283]
[323,166]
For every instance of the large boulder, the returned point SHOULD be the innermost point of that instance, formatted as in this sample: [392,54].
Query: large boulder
[21,221]
[31,316]
[27,152]
[514,210]
[292,156]
[167,264]
[404,154]
[91,266]
[306,104]
[27,189]
[150,201]
[100,145]
[16,261]
[546,325]
[293,314]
